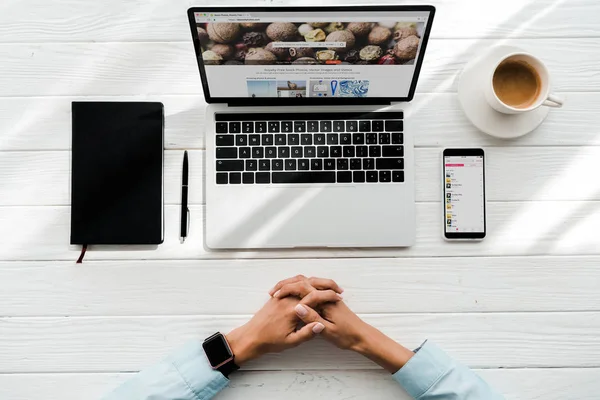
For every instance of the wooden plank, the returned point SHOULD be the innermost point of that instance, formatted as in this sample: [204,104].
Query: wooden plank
[514,228]
[44,123]
[112,344]
[419,285]
[547,384]
[170,68]
[513,174]
[26,21]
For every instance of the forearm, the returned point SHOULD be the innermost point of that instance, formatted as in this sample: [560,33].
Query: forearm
[185,375]
[382,350]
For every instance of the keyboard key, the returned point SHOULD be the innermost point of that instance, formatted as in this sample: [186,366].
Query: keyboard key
[226,152]
[345,138]
[329,164]
[290,165]
[310,152]
[221,127]
[358,176]
[368,163]
[273,126]
[397,176]
[335,151]
[287,126]
[258,152]
[319,138]
[251,165]
[332,138]
[263,177]
[352,126]
[358,138]
[372,176]
[374,151]
[371,138]
[323,151]
[297,152]
[316,164]
[248,127]
[267,140]
[384,138]
[348,151]
[303,165]
[234,127]
[339,126]
[377,126]
[385,176]
[304,177]
[293,139]
[270,152]
[312,126]
[397,138]
[248,178]
[254,140]
[325,126]
[355,164]
[283,152]
[300,126]
[235,178]
[280,140]
[362,151]
[264,165]
[260,127]
[394,125]
[306,139]
[277,165]
[389,163]
[241,140]
[225,140]
[342,164]
[364,126]
[344,177]
[222,178]
[245,152]
[392,151]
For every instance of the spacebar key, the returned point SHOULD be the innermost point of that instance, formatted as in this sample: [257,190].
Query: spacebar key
[304,177]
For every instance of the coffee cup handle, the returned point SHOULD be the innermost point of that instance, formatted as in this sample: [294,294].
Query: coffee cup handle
[553,101]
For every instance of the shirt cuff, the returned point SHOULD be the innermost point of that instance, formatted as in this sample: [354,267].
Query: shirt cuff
[194,368]
[423,370]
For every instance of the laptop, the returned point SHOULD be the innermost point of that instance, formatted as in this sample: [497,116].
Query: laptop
[307,145]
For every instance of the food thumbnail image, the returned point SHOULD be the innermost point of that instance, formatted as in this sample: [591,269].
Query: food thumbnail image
[357,43]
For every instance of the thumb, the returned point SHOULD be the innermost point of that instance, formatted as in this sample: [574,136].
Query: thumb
[314,325]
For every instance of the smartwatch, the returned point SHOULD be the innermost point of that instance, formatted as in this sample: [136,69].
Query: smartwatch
[219,354]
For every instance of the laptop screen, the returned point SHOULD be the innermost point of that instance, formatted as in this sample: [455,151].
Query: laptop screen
[311,54]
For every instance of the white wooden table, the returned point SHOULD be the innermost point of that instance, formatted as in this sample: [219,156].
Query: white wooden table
[522,307]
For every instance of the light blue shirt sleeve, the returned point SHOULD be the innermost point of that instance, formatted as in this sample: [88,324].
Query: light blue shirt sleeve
[432,375]
[185,375]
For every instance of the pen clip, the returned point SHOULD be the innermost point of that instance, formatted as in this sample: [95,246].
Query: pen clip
[188,221]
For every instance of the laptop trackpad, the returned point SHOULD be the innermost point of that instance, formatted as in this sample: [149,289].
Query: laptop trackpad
[300,217]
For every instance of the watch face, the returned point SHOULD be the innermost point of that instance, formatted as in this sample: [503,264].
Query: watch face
[217,350]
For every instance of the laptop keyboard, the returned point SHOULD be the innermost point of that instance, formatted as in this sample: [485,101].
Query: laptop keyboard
[309,148]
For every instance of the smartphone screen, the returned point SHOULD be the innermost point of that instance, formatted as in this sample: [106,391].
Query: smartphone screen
[464,194]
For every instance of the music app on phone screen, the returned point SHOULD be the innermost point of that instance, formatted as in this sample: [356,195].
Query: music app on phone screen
[464,194]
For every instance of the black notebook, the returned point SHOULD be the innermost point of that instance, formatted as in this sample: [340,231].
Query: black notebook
[117,173]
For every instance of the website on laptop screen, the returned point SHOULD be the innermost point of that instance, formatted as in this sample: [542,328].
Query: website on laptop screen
[310,54]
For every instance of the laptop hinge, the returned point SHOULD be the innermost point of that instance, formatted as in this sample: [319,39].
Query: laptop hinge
[255,104]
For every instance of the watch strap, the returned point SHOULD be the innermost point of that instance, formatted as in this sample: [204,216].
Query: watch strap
[228,368]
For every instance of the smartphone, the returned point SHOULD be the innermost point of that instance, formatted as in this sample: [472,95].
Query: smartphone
[464,194]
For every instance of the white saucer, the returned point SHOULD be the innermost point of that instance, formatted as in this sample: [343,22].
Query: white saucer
[473,102]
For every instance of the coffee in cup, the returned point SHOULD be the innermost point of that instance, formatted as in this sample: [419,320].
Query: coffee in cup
[520,82]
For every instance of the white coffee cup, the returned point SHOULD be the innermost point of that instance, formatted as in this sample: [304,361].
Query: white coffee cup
[545,98]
